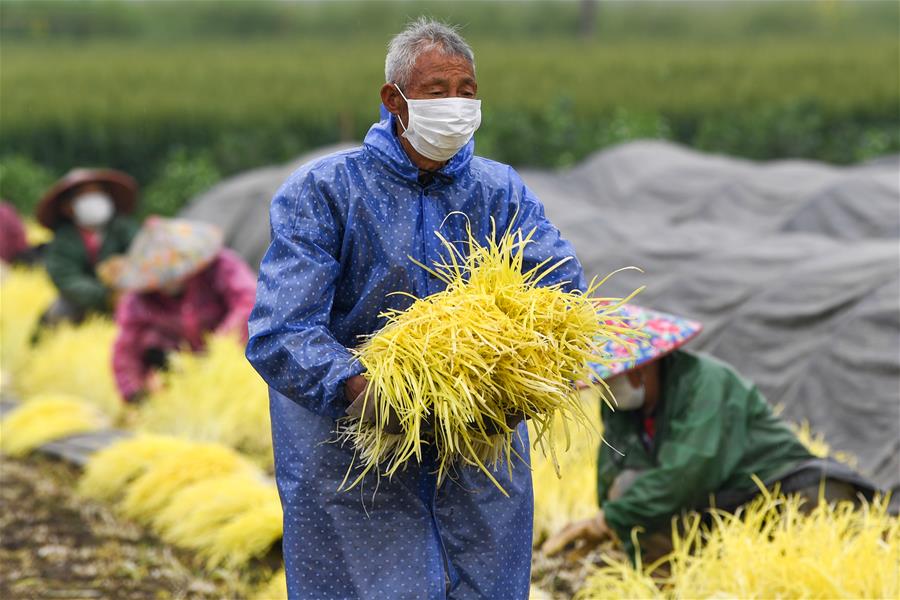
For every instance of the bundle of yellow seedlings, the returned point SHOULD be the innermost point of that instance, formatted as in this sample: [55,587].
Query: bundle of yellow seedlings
[275,589]
[46,418]
[248,536]
[214,396]
[195,514]
[494,343]
[110,470]
[24,295]
[571,493]
[73,359]
[152,491]
[36,233]
[772,549]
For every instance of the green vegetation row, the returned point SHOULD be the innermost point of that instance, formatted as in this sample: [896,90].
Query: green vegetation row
[819,80]
[337,20]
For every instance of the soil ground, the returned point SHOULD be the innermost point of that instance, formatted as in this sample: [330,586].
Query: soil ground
[55,544]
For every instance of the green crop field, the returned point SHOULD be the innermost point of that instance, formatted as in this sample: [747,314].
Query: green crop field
[238,85]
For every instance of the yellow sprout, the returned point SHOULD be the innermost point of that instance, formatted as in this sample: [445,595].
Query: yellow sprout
[215,396]
[817,445]
[772,549]
[152,491]
[46,418]
[111,469]
[275,589]
[454,365]
[248,536]
[24,295]
[75,360]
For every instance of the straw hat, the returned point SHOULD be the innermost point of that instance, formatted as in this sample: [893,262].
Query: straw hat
[164,251]
[120,186]
[664,333]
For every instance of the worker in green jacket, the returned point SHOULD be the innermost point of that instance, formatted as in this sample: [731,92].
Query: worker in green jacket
[688,432]
[88,211]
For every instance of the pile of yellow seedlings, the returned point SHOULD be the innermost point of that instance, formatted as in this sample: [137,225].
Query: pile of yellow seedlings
[200,496]
[494,343]
[24,295]
[45,418]
[214,396]
[75,360]
[771,549]
[276,589]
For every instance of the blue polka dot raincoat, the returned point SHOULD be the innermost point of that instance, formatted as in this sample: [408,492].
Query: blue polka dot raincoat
[343,230]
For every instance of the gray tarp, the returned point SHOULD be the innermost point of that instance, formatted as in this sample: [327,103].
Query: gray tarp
[793,266]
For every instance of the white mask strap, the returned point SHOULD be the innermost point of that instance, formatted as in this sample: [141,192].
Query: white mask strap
[407,106]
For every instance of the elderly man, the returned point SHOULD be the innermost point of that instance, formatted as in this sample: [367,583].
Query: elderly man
[345,231]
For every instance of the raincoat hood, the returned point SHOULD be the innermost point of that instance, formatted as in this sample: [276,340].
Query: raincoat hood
[383,142]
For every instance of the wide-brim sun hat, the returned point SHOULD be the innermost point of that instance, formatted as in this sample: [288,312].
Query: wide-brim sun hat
[121,187]
[163,252]
[663,333]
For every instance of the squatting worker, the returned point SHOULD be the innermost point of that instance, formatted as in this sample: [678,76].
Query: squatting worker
[179,284]
[89,212]
[344,230]
[688,428]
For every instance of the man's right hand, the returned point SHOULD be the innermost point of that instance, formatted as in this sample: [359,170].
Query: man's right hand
[363,401]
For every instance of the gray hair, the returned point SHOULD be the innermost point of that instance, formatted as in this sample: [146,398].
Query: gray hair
[419,36]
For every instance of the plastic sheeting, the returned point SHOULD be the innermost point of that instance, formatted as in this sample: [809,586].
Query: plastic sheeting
[793,266]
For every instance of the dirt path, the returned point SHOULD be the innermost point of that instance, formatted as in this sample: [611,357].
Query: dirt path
[54,544]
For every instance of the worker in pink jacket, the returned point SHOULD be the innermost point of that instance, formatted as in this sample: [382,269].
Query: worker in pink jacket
[179,284]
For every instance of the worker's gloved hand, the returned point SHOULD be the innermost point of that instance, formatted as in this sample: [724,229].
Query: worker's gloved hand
[579,537]
[362,404]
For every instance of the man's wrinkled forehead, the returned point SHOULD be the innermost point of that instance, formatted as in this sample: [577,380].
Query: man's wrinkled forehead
[436,68]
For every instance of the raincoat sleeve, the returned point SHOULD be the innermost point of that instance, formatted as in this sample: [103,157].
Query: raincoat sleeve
[290,343]
[127,364]
[235,282]
[63,262]
[688,468]
[547,243]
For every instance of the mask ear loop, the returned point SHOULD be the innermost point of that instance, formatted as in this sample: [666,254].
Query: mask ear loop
[399,120]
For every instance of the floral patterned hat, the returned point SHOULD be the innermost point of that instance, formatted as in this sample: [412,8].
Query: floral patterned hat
[664,333]
[163,251]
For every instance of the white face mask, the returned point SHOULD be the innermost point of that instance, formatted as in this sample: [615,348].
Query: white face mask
[93,209]
[626,396]
[438,128]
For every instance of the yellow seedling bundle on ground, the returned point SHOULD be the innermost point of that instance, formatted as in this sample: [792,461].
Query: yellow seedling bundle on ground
[110,470]
[195,515]
[771,549]
[214,396]
[248,536]
[275,589]
[494,343]
[73,359]
[152,491]
[24,295]
[200,496]
[46,418]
